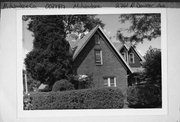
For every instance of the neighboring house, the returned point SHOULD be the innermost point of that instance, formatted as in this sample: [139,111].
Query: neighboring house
[135,60]
[96,55]
[132,57]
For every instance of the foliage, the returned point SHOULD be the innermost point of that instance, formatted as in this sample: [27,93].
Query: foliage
[27,102]
[82,81]
[49,65]
[32,84]
[135,78]
[51,58]
[51,27]
[86,82]
[101,98]
[152,66]
[143,26]
[149,94]
[144,96]
[62,85]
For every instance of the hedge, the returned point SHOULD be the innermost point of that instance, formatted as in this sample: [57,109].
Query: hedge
[144,96]
[101,98]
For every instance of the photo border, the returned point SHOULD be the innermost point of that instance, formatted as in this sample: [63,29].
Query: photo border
[90,112]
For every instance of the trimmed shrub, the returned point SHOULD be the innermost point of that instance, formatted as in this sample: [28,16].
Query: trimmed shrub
[62,85]
[27,105]
[144,96]
[101,98]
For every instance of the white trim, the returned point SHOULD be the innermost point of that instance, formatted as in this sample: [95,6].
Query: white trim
[109,81]
[115,82]
[101,61]
[101,57]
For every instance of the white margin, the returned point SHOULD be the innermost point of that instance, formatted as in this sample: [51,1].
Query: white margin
[88,112]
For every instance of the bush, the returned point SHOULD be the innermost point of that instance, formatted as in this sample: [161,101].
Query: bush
[85,82]
[135,78]
[27,102]
[82,81]
[101,98]
[144,96]
[62,85]
[31,83]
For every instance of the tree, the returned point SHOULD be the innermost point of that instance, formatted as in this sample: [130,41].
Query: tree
[142,26]
[149,92]
[51,64]
[152,73]
[152,66]
[49,27]
[51,58]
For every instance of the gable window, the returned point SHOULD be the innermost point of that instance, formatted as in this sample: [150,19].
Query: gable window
[124,56]
[97,39]
[110,81]
[98,57]
[131,58]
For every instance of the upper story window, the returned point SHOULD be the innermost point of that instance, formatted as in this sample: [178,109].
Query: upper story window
[124,56]
[98,57]
[110,81]
[131,58]
[97,39]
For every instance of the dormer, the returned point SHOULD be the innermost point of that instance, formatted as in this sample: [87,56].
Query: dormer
[124,52]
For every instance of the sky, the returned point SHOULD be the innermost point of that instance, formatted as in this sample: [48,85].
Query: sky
[112,24]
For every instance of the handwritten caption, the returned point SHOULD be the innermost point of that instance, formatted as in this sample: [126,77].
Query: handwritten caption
[61,5]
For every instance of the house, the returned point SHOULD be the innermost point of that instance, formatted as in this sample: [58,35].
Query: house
[132,57]
[95,54]
[135,61]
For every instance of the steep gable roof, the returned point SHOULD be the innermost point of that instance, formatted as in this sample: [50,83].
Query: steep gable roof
[135,50]
[124,46]
[139,55]
[82,42]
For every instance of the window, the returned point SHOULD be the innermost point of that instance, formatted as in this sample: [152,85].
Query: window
[131,58]
[110,82]
[98,57]
[124,56]
[97,39]
[106,82]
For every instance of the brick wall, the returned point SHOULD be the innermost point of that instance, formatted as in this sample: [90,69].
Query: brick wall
[112,67]
[136,59]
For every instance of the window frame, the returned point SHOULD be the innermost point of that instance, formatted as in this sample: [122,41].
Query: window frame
[100,54]
[109,81]
[124,56]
